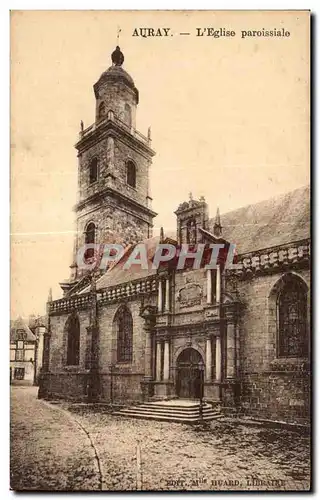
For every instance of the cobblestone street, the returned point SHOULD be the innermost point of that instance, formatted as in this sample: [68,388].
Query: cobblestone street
[49,451]
[72,447]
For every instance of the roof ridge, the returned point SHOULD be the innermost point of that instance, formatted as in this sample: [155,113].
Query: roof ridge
[276,197]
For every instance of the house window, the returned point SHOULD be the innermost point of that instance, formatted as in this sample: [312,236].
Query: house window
[20,344]
[21,335]
[19,373]
[131,174]
[93,170]
[102,110]
[73,340]
[19,355]
[124,330]
[90,237]
[292,319]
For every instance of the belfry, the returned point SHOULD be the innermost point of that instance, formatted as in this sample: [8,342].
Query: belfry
[114,160]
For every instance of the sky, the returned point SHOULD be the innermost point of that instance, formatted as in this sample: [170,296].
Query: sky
[229,119]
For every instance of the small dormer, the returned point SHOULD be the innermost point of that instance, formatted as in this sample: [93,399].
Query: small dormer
[191,216]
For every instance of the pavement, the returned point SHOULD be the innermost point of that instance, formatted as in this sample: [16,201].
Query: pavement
[75,447]
[49,450]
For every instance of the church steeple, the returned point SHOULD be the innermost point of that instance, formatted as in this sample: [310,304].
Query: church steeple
[114,201]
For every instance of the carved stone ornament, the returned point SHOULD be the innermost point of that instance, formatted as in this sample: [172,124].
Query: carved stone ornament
[190,295]
[148,313]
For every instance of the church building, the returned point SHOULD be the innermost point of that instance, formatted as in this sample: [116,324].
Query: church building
[240,335]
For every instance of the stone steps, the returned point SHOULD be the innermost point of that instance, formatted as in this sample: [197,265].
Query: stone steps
[171,412]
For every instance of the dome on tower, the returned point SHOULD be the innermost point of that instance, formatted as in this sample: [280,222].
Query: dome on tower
[116,74]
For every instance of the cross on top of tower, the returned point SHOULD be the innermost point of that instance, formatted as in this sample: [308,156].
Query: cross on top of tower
[118,35]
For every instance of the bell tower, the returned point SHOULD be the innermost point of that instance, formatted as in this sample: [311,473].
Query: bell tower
[114,159]
[191,215]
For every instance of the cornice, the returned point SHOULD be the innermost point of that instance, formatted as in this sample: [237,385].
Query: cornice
[96,197]
[100,130]
[273,260]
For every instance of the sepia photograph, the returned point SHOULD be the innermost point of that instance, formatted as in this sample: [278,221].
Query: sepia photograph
[160,319]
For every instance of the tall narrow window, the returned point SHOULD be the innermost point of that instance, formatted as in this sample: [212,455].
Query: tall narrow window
[128,115]
[90,237]
[102,110]
[124,331]
[93,170]
[19,355]
[73,340]
[292,319]
[131,174]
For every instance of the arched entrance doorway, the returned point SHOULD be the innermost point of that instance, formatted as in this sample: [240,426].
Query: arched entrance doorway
[188,382]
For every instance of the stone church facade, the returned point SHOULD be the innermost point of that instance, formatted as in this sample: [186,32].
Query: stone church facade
[128,335]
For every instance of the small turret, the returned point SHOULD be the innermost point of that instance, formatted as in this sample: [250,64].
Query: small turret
[191,216]
[217,228]
[161,235]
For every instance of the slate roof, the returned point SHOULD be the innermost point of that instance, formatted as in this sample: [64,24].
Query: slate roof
[19,324]
[276,221]
[116,274]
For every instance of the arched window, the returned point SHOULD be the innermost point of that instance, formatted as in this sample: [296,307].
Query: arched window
[124,331]
[93,170]
[90,237]
[127,114]
[131,174]
[292,318]
[73,340]
[102,110]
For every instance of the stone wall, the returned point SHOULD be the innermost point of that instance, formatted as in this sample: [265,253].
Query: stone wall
[114,224]
[282,395]
[112,159]
[270,388]
[108,339]
[65,385]
[126,376]
[71,382]
[121,387]
[58,342]
[115,96]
